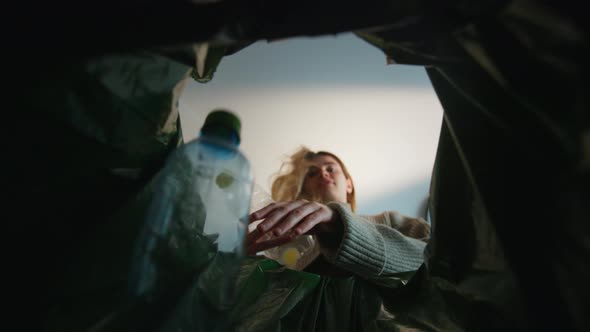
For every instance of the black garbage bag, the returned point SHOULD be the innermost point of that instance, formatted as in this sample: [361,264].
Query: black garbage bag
[274,298]
[509,246]
[95,292]
[103,127]
[508,195]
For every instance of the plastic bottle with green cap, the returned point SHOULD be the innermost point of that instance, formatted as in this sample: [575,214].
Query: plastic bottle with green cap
[197,219]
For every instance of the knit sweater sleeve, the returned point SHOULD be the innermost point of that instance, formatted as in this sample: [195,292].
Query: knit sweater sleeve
[372,249]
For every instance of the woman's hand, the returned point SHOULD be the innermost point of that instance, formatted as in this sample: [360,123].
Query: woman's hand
[283,221]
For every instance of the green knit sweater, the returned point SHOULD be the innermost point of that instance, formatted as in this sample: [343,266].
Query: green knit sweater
[378,245]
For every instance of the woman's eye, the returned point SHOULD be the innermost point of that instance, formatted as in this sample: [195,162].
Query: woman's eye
[330,169]
[312,173]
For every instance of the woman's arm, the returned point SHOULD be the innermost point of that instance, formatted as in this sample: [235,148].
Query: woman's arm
[348,241]
[416,228]
[368,248]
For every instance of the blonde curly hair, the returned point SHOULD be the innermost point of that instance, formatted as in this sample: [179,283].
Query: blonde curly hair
[288,181]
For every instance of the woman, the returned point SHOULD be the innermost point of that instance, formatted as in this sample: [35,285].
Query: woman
[315,195]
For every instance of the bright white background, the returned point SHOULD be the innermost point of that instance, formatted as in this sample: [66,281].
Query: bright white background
[332,93]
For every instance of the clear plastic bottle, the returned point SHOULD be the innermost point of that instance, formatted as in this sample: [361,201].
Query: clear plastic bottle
[260,198]
[196,223]
[296,254]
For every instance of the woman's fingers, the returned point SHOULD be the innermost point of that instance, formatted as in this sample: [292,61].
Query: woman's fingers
[278,212]
[309,222]
[284,221]
[255,247]
[257,236]
[259,214]
[274,213]
[252,236]
[294,217]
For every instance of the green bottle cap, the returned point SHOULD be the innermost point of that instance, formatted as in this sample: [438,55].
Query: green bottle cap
[222,122]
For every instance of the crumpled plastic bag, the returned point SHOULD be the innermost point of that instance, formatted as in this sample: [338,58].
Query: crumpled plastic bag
[271,297]
[508,197]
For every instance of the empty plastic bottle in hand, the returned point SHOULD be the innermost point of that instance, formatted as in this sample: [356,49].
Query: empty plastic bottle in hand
[296,254]
[197,219]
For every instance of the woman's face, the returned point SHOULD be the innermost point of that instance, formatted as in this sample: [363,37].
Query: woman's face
[325,181]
